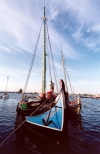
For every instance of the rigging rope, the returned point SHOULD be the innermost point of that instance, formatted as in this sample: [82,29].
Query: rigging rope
[30,69]
[63,66]
[72,89]
[55,74]
[49,64]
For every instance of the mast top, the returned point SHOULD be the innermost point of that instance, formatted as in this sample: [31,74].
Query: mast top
[62,54]
[44,2]
[44,18]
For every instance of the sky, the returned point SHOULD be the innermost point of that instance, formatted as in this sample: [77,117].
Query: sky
[74,27]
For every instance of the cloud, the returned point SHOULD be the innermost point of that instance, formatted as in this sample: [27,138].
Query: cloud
[3,48]
[96,28]
[17,27]
[84,21]
[85,83]
[21,28]
[16,72]
[74,25]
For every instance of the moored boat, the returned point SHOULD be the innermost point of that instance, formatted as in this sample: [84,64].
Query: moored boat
[48,112]
[53,122]
[28,105]
[6,96]
[74,101]
[75,105]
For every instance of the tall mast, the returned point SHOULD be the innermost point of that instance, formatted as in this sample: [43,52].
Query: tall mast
[7,83]
[66,87]
[44,54]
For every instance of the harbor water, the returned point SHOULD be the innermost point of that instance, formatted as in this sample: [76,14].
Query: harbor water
[82,136]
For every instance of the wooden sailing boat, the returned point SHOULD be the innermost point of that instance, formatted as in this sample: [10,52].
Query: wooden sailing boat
[6,96]
[74,101]
[47,113]
[28,104]
[52,123]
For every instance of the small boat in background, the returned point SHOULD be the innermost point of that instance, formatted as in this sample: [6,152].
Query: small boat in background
[74,101]
[6,96]
[0,97]
[75,105]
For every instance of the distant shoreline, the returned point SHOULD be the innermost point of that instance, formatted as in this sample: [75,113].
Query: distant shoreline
[18,92]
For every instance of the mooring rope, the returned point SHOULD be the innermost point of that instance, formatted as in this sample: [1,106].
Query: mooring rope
[22,123]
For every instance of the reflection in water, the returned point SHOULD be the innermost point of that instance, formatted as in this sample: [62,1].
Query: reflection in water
[33,143]
[82,136]
[76,121]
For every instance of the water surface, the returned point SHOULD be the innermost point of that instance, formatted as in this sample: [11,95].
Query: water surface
[82,136]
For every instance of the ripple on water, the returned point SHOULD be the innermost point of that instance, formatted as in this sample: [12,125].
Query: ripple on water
[83,135]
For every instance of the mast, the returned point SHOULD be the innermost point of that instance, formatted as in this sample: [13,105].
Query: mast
[7,83]
[44,54]
[64,70]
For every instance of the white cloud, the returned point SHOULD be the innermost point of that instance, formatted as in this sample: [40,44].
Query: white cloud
[3,48]
[96,28]
[19,28]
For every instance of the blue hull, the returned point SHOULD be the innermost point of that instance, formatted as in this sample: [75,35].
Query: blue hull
[53,123]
